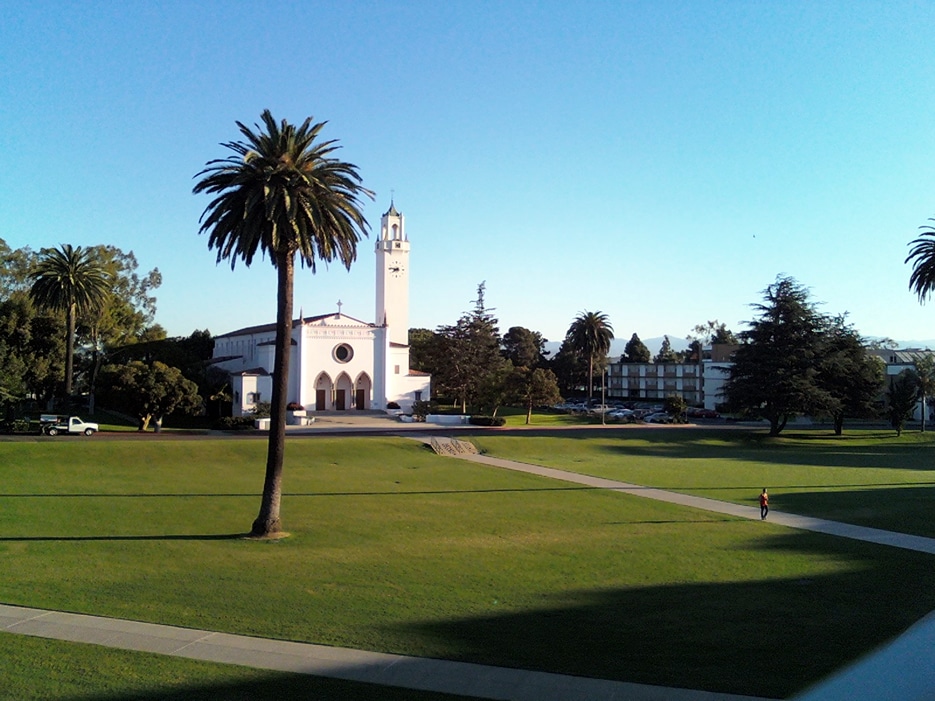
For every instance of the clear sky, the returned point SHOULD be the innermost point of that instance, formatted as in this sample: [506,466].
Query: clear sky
[659,161]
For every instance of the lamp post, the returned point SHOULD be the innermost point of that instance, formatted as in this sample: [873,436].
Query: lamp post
[603,397]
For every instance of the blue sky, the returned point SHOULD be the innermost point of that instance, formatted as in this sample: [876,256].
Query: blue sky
[659,161]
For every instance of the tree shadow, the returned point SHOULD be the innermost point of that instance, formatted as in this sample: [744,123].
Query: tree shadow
[81,538]
[763,638]
[271,687]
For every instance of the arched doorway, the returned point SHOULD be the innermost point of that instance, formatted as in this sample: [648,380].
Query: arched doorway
[363,390]
[323,391]
[343,391]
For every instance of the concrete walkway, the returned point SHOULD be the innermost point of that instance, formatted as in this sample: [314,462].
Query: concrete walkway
[903,669]
[806,523]
[474,680]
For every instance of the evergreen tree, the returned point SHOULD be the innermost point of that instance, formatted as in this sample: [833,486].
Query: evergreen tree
[569,368]
[524,348]
[851,376]
[925,379]
[901,398]
[775,369]
[636,351]
[471,350]
[666,354]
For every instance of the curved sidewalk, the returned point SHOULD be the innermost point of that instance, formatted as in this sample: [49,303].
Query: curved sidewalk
[806,523]
[465,679]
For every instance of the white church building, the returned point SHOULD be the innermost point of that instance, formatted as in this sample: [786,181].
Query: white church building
[338,363]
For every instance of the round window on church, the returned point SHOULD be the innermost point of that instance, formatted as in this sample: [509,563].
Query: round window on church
[343,353]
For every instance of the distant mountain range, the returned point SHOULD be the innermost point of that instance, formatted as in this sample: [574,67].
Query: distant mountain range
[679,343]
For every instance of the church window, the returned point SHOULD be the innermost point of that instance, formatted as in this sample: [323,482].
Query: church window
[343,353]
[395,369]
[418,395]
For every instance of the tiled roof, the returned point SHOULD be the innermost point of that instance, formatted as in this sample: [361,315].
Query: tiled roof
[271,328]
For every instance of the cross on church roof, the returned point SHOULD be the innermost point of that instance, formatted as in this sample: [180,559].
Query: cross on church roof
[340,304]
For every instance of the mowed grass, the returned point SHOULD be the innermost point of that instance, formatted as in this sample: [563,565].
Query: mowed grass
[869,478]
[35,669]
[396,549]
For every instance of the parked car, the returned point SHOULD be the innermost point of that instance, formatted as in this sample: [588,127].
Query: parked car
[660,417]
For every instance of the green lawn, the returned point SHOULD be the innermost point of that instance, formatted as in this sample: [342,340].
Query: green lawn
[868,478]
[396,549]
[35,669]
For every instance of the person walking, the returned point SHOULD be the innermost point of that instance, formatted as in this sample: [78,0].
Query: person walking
[764,504]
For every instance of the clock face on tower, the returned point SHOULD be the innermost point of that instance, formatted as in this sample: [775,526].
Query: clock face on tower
[396,268]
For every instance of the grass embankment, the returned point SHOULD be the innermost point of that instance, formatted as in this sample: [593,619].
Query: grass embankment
[396,549]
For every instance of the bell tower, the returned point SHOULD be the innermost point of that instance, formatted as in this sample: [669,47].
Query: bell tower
[392,288]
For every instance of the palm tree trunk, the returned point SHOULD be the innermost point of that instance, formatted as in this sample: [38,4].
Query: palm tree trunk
[70,350]
[267,522]
[590,379]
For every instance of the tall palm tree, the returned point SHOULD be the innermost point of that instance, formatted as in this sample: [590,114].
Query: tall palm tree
[922,256]
[285,194]
[68,279]
[590,335]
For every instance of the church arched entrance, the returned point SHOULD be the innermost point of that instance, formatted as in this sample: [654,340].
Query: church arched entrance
[323,389]
[363,390]
[343,391]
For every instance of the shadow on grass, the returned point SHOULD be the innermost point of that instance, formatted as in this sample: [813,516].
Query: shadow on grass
[273,687]
[80,538]
[904,509]
[820,448]
[766,638]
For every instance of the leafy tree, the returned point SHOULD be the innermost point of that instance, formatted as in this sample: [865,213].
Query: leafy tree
[424,351]
[493,390]
[129,312]
[901,398]
[532,387]
[676,406]
[666,354]
[14,269]
[922,257]
[524,348]
[852,377]
[68,279]
[284,193]
[636,351]
[712,332]
[775,369]
[590,335]
[148,392]
[471,352]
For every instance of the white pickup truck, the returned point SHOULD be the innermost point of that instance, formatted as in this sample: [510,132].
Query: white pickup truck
[52,425]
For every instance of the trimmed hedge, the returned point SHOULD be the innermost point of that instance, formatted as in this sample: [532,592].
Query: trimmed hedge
[234,423]
[487,420]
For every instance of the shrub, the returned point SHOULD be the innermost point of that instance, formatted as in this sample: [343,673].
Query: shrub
[294,406]
[233,423]
[487,421]
[392,405]
[421,409]
[261,410]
